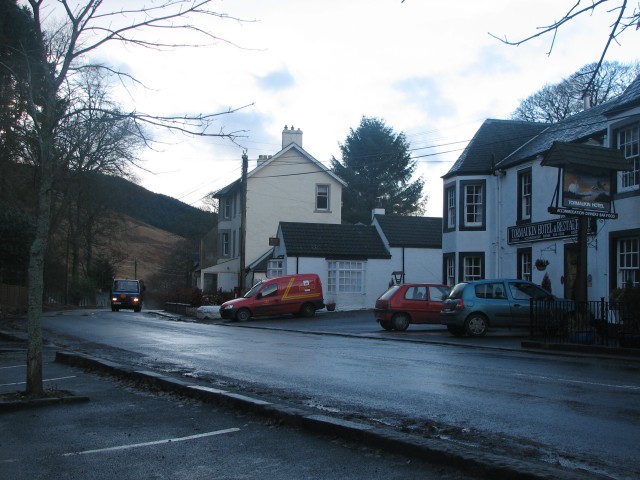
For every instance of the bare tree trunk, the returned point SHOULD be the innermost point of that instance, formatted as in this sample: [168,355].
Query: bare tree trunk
[36,284]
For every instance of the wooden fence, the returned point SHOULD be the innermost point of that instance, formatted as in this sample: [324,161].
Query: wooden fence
[13,298]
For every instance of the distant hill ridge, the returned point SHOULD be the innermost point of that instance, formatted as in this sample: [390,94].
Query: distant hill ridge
[125,197]
[158,210]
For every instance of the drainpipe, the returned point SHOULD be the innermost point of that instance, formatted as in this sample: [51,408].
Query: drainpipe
[499,174]
[404,272]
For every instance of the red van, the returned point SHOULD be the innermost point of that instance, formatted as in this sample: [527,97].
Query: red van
[296,294]
[410,303]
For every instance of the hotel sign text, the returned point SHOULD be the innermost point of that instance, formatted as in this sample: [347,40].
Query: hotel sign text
[535,232]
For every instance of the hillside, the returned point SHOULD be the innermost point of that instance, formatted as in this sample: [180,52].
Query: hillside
[124,197]
[139,231]
[157,210]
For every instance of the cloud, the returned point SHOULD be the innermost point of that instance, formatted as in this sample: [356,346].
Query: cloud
[427,93]
[277,80]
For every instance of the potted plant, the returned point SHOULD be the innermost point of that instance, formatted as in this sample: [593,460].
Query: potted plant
[331,304]
[541,263]
[546,283]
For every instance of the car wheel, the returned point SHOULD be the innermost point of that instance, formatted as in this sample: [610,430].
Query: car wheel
[455,330]
[137,309]
[243,315]
[386,325]
[113,309]
[308,310]
[400,322]
[476,325]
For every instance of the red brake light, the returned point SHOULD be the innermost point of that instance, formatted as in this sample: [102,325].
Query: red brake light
[460,305]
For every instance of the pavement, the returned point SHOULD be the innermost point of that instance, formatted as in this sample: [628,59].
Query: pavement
[68,375]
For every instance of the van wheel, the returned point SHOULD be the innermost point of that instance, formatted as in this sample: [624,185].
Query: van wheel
[476,325]
[113,309]
[137,309]
[308,310]
[400,322]
[243,315]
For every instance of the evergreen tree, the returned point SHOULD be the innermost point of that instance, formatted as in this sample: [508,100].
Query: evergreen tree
[378,168]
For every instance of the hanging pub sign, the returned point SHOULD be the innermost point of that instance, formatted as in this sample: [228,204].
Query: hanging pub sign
[585,189]
[585,175]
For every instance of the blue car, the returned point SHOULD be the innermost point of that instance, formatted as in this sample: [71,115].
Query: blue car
[473,307]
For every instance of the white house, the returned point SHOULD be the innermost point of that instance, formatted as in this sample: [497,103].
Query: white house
[351,260]
[415,245]
[288,186]
[498,194]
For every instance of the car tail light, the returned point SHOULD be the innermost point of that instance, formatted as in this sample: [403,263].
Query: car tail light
[382,304]
[460,305]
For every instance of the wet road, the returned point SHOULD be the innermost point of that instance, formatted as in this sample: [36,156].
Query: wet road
[578,411]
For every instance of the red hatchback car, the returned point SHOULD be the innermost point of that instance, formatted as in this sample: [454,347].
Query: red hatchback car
[410,303]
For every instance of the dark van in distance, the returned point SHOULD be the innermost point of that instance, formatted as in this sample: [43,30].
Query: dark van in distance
[127,293]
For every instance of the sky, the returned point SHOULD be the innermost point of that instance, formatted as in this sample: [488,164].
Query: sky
[429,69]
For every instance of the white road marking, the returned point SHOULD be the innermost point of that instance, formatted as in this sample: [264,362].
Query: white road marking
[157,442]
[45,380]
[14,366]
[580,382]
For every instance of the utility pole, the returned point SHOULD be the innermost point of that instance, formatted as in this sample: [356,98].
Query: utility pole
[243,223]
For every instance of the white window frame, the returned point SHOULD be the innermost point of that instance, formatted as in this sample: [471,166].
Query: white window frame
[473,205]
[451,208]
[346,276]
[525,195]
[451,270]
[224,247]
[323,192]
[628,261]
[275,268]
[629,143]
[472,268]
[525,265]
[226,208]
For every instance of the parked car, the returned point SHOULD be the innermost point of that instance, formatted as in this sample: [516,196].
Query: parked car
[296,294]
[409,303]
[474,307]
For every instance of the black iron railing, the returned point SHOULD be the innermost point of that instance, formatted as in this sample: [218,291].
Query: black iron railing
[599,322]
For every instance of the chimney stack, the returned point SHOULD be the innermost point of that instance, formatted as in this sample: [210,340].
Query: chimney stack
[290,136]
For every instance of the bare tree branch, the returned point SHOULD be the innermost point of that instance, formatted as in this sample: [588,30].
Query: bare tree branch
[621,23]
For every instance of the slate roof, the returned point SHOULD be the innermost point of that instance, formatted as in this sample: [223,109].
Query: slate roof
[494,140]
[506,143]
[630,98]
[333,241]
[579,127]
[411,232]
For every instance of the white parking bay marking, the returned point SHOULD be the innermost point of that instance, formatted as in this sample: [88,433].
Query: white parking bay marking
[157,442]
[45,380]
